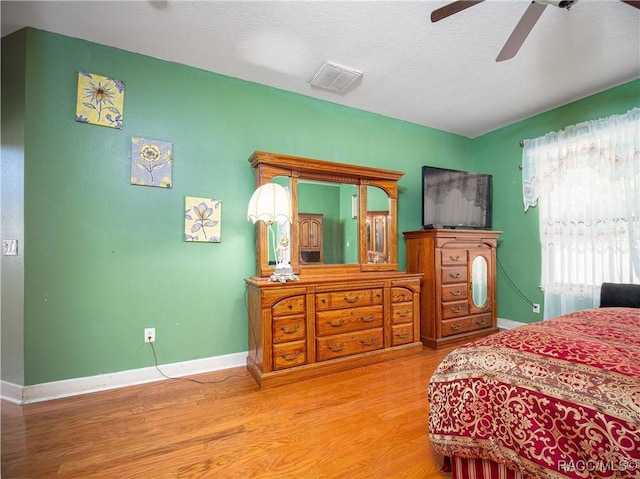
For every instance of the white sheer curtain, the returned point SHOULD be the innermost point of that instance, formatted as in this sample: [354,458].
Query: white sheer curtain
[586,183]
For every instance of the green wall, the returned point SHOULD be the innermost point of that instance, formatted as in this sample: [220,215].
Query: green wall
[500,153]
[105,259]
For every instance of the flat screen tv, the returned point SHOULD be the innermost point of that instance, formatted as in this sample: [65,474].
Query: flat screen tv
[455,199]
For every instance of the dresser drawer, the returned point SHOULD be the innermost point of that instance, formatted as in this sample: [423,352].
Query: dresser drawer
[349,319]
[401,313]
[347,299]
[452,257]
[287,355]
[293,304]
[339,345]
[454,292]
[454,274]
[401,295]
[455,309]
[401,334]
[288,328]
[464,325]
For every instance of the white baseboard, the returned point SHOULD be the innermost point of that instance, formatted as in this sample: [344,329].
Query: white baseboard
[11,392]
[74,387]
[508,323]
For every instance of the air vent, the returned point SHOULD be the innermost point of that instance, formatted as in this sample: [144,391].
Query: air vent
[335,77]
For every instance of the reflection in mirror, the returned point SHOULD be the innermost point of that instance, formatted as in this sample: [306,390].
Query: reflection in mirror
[280,234]
[377,225]
[479,281]
[327,232]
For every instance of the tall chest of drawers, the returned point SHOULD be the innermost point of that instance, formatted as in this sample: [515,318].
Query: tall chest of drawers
[458,297]
[320,325]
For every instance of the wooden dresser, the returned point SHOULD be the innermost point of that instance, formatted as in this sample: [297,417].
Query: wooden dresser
[324,324]
[458,297]
[346,305]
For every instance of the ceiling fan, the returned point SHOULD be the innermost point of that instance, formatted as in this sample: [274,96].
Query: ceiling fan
[524,26]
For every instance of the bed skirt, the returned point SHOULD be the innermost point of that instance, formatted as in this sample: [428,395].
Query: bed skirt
[465,468]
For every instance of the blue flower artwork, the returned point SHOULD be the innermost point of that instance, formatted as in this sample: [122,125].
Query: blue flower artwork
[151,162]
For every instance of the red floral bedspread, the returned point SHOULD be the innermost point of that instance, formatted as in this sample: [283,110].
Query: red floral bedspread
[555,399]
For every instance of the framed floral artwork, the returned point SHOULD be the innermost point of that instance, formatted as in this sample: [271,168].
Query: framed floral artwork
[100,100]
[202,219]
[151,162]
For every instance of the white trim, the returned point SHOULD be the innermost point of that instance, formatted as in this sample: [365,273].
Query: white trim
[11,392]
[508,323]
[73,387]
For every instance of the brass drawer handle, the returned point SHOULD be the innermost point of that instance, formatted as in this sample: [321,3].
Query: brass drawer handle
[336,349]
[290,306]
[455,327]
[369,319]
[457,309]
[290,331]
[364,342]
[454,275]
[293,357]
[457,292]
[404,335]
[404,314]
[482,321]
[352,300]
[337,324]
[454,258]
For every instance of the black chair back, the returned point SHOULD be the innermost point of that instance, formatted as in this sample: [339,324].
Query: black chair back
[620,295]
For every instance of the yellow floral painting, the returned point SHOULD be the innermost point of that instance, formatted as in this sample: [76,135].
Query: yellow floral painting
[100,100]
[151,162]
[202,219]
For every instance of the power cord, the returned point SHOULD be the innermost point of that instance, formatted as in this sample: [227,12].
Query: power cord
[514,284]
[155,359]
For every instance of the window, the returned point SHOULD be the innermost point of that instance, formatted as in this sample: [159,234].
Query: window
[586,183]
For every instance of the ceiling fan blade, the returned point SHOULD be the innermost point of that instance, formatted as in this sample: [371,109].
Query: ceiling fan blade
[451,8]
[521,32]
[633,3]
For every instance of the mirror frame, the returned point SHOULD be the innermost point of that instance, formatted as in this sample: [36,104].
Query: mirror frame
[270,165]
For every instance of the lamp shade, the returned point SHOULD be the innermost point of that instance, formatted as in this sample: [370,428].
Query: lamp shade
[270,203]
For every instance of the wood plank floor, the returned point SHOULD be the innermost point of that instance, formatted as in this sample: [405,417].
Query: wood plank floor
[369,422]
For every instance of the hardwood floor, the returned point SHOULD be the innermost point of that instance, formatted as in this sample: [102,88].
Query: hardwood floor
[369,422]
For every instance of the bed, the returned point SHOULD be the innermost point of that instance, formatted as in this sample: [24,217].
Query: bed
[554,399]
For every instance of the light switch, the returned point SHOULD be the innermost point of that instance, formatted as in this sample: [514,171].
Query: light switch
[10,247]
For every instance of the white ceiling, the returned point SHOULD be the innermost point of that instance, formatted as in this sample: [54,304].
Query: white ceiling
[442,75]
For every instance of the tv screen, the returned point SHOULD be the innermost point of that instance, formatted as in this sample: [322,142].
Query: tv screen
[455,199]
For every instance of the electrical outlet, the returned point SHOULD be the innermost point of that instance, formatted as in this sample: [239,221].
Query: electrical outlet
[536,308]
[149,335]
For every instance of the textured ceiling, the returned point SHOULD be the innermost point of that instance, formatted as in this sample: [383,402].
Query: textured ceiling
[442,75]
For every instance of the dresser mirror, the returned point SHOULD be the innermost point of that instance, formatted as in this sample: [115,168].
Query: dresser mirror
[377,225]
[327,231]
[336,200]
[479,281]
